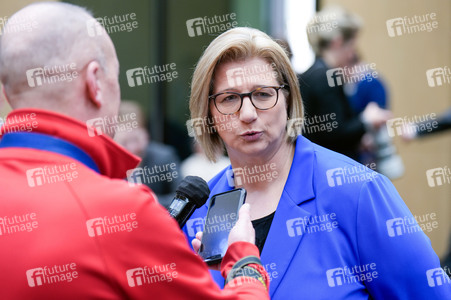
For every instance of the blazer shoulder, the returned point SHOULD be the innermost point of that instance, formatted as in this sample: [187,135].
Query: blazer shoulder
[340,175]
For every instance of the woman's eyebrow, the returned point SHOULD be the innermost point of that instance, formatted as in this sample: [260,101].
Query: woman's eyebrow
[231,89]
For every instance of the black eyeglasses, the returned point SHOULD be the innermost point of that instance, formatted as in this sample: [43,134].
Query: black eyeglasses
[263,98]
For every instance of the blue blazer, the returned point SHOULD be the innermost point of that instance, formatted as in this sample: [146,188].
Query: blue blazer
[341,231]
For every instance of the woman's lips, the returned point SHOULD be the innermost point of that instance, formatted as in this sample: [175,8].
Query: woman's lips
[250,136]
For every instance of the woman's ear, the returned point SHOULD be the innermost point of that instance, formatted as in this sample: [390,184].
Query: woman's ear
[93,85]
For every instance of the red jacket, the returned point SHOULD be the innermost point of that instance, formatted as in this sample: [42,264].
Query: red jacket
[68,232]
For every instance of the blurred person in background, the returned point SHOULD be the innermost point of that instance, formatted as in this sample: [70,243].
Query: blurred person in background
[161,162]
[326,226]
[332,33]
[362,92]
[376,147]
[71,227]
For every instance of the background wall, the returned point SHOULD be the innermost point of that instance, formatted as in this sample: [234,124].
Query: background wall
[403,61]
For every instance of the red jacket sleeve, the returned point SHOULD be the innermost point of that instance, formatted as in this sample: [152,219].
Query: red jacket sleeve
[154,260]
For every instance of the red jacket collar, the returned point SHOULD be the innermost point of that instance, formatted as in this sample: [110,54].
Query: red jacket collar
[112,159]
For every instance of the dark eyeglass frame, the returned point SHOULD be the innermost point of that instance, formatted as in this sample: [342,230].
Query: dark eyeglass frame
[243,95]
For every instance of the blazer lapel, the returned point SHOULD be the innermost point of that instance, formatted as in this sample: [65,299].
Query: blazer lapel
[284,237]
[282,242]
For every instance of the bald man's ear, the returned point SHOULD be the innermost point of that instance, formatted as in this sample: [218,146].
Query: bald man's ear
[93,84]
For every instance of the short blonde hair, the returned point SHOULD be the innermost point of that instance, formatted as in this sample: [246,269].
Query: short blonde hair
[233,45]
[329,23]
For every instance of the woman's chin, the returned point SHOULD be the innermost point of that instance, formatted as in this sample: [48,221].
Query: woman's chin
[253,149]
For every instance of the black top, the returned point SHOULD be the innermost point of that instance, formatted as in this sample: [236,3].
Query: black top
[261,227]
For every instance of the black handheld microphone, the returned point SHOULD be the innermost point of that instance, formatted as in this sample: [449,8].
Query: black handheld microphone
[191,194]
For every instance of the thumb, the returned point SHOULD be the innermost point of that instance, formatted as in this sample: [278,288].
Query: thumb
[245,213]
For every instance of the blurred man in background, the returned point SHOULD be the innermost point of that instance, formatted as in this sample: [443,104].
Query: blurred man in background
[332,33]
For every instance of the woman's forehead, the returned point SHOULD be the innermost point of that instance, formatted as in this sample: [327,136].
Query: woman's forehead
[247,73]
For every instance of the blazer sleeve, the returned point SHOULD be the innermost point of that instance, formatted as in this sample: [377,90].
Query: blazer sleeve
[389,237]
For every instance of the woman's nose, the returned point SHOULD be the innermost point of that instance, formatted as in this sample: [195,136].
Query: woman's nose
[248,112]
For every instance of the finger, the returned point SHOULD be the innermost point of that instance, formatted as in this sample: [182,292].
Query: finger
[244,213]
[196,244]
[199,235]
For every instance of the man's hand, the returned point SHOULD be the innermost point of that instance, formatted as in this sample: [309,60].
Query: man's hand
[375,116]
[241,232]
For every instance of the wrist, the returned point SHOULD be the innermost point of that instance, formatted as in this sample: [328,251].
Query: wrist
[235,252]
[248,269]
[239,259]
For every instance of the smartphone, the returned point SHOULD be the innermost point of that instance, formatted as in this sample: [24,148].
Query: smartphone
[221,217]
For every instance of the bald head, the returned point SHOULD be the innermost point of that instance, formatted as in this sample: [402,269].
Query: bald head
[60,39]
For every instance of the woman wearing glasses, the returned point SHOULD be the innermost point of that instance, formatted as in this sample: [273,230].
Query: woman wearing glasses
[326,226]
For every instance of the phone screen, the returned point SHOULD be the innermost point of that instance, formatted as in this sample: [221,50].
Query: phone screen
[221,217]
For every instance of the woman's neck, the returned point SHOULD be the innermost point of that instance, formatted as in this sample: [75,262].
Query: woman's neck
[258,173]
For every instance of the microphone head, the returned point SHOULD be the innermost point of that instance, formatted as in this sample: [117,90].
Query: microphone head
[194,188]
